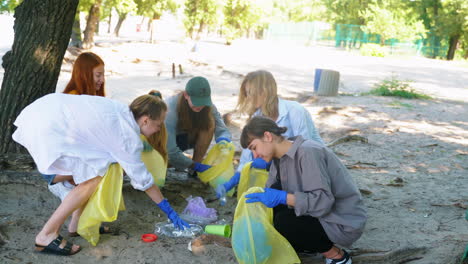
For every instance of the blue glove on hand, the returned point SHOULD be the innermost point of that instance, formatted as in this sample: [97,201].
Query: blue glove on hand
[200,167]
[259,163]
[222,189]
[221,139]
[146,146]
[270,198]
[172,215]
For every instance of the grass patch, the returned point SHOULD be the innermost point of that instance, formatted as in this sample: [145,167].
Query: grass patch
[374,50]
[398,104]
[397,88]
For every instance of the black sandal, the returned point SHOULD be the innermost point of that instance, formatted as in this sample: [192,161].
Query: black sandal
[54,248]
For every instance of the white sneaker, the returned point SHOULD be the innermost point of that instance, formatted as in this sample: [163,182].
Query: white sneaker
[346,259]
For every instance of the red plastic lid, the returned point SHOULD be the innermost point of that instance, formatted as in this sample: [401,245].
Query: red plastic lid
[149,237]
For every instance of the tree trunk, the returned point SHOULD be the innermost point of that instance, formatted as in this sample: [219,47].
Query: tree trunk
[200,29]
[122,17]
[150,25]
[109,22]
[42,32]
[453,42]
[96,31]
[151,31]
[93,19]
[76,40]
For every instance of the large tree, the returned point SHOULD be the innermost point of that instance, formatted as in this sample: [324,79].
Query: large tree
[453,20]
[199,14]
[91,24]
[153,9]
[240,16]
[42,32]
[393,20]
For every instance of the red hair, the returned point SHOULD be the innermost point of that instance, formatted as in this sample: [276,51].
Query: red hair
[82,79]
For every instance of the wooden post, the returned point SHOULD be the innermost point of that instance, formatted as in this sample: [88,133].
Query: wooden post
[173,70]
[181,71]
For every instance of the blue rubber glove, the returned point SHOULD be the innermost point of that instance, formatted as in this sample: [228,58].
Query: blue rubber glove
[172,215]
[222,189]
[146,146]
[270,198]
[259,163]
[221,139]
[200,167]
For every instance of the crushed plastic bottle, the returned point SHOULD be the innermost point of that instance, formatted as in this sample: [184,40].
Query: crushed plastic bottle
[222,200]
[168,229]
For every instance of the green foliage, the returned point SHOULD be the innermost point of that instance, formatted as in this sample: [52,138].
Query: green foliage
[199,14]
[375,50]
[154,8]
[9,5]
[241,16]
[397,88]
[297,10]
[122,7]
[346,11]
[85,5]
[392,20]
[398,104]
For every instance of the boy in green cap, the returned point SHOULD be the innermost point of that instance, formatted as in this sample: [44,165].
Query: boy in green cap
[192,120]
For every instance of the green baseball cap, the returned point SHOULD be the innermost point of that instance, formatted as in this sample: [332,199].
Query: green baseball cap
[199,91]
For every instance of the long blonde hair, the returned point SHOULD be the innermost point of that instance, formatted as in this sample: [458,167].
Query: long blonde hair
[153,107]
[261,83]
[159,140]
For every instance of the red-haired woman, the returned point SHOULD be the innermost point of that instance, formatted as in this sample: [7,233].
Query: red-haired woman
[87,76]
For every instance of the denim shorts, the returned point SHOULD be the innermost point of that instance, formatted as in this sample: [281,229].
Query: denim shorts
[49,178]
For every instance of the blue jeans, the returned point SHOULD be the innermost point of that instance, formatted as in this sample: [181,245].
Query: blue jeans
[182,141]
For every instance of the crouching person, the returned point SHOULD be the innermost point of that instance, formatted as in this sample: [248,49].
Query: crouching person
[316,202]
[82,136]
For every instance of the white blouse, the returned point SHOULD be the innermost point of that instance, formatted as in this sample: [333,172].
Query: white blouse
[81,135]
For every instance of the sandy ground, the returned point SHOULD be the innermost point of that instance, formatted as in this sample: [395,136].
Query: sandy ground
[412,171]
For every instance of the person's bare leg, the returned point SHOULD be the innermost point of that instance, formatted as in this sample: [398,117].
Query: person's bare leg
[202,142]
[333,253]
[74,200]
[73,225]
[62,178]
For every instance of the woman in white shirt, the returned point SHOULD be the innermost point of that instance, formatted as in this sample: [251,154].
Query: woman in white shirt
[81,136]
[258,96]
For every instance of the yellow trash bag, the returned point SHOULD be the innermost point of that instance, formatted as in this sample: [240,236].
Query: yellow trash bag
[104,204]
[251,177]
[220,158]
[255,239]
[155,164]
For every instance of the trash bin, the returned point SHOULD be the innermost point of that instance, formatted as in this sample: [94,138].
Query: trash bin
[326,82]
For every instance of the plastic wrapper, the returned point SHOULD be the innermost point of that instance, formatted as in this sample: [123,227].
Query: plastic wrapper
[196,212]
[168,229]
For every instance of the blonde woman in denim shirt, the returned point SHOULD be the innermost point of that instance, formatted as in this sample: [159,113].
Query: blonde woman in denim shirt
[258,96]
